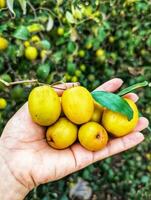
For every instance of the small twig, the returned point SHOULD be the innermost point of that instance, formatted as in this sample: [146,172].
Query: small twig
[33,9]
[4,82]
[17,82]
[47,9]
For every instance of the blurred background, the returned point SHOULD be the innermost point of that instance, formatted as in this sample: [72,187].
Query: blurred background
[90,42]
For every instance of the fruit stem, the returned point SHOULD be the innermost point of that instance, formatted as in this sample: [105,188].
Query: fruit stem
[18,82]
[133,87]
[4,82]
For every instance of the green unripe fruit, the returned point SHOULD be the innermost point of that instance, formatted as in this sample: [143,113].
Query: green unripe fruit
[43,71]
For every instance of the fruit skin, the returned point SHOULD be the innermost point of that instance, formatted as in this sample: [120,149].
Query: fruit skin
[62,134]
[92,136]
[31,53]
[97,114]
[35,39]
[17,93]
[117,124]
[74,79]
[3,103]
[44,105]
[43,71]
[26,43]
[60,31]
[77,104]
[3,43]
[43,54]
[2,4]
[5,77]
[100,53]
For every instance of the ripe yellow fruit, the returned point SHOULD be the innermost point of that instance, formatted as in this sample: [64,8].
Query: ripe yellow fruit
[43,54]
[2,3]
[35,39]
[44,105]
[92,136]
[3,43]
[26,43]
[100,53]
[31,53]
[117,124]
[3,103]
[77,104]
[98,110]
[62,134]
[60,31]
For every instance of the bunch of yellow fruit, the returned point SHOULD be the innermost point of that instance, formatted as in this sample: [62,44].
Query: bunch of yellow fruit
[76,116]
[31,51]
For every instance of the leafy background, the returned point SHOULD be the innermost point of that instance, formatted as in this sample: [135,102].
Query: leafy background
[71,32]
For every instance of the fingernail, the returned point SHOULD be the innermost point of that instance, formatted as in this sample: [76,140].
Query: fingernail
[119,79]
[145,121]
[138,136]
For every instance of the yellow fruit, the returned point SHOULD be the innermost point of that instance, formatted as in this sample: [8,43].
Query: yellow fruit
[3,103]
[111,39]
[2,4]
[43,54]
[77,104]
[60,31]
[31,53]
[117,124]
[26,43]
[88,45]
[82,67]
[93,136]
[81,53]
[62,134]
[98,110]
[3,43]
[100,53]
[44,105]
[35,39]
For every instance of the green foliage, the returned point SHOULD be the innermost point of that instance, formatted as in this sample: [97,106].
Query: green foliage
[113,102]
[71,32]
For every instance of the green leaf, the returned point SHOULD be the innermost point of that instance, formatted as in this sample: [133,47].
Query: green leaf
[21,33]
[101,34]
[23,4]
[44,44]
[10,4]
[149,41]
[70,17]
[56,57]
[50,23]
[132,87]
[71,46]
[71,67]
[113,102]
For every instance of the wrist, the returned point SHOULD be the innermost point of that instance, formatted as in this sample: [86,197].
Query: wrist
[10,187]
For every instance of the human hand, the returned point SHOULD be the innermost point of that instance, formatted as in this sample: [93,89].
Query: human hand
[31,161]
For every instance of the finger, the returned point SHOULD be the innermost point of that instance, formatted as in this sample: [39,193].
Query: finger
[84,157]
[142,124]
[132,96]
[62,87]
[21,126]
[111,86]
[118,145]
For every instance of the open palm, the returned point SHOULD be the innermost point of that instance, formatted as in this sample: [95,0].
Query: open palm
[33,162]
